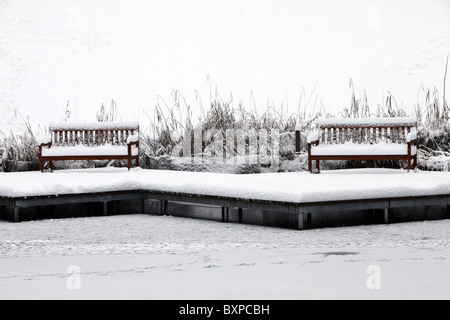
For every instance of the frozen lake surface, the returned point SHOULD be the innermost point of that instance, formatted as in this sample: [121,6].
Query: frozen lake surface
[151,257]
[289,52]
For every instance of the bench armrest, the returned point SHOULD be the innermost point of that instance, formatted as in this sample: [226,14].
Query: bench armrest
[411,138]
[44,141]
[134,143]
[133,139]
[313,138]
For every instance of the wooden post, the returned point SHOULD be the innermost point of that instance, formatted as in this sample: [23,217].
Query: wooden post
[309,158]
[162,207]
[300,223]
[240,215]
[409,157]
[141,206]
[41,165]
[16,214]
[137,157]
[225,214]
[298,146]
[386,214]
[129,157]
[304,220]
[105,208]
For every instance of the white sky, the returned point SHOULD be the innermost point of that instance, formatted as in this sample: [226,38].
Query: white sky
[89,52]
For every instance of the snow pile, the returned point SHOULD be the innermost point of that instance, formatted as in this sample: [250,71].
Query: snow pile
[203,165]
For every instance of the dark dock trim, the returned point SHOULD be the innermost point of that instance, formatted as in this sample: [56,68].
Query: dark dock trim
[304,212]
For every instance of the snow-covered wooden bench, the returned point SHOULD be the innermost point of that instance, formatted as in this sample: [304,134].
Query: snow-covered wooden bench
[363,139]
[90,141]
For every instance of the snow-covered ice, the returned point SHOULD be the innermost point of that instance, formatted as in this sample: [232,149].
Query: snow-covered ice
[151,257]
[286,52]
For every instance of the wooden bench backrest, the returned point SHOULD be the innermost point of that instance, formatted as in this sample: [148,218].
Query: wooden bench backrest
[92,134]
[337,131]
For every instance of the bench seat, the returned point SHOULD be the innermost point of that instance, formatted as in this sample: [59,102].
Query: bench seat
[82,151]
[355,149]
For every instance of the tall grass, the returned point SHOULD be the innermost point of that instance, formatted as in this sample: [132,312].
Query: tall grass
[171,118]
[19,147]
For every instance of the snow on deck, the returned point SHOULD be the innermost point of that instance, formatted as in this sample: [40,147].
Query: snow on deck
[299,187]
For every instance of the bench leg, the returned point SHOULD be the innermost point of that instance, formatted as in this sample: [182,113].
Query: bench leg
[41,165]
[309,164]
[409,163]
[137,161]
[50,164]
[129,163]
[318,166]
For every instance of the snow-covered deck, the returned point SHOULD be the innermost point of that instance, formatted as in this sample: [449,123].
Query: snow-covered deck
[296,193]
